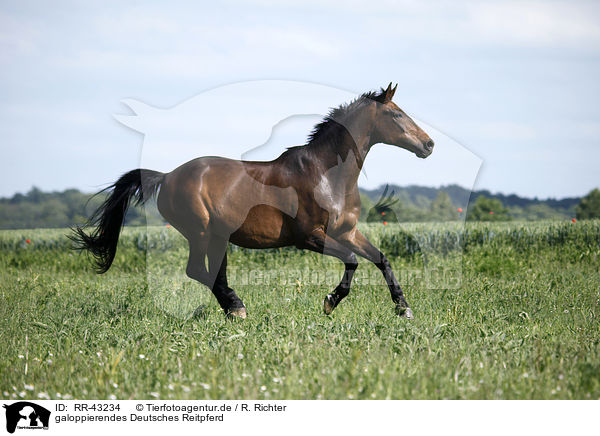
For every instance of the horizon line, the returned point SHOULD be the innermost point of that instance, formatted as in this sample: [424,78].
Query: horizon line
[381,186]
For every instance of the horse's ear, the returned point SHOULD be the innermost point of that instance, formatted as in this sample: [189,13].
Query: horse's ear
[394,91]
[388,93]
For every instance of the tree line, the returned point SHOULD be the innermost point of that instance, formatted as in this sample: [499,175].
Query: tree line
[38,209]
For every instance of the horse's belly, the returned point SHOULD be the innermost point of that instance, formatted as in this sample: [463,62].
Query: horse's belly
[264,227]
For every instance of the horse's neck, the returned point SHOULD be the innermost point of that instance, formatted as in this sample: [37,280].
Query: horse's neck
[355,138]
[341,156]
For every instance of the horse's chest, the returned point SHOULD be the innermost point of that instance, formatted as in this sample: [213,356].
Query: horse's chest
[338,203]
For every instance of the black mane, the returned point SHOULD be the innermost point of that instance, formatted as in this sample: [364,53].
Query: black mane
[329,129]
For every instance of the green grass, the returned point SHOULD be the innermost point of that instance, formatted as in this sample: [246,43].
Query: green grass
[522,324]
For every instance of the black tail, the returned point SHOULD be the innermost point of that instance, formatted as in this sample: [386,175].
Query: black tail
[108,219]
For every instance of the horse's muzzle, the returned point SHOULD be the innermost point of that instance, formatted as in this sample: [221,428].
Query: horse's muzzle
[427,149]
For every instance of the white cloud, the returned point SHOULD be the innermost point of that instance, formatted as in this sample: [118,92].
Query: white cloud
[500,130]
[519,25]
[18,38]
[537,23]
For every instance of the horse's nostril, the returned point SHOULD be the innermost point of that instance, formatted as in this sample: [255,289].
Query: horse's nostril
[429,145]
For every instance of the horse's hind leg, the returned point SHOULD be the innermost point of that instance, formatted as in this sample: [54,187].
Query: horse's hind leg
[217,266]
[215,277]
[196,266]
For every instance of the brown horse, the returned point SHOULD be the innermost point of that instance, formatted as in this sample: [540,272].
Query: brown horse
[308,197]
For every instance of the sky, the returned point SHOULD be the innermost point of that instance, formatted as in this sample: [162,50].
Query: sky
[268,123]
[512,83]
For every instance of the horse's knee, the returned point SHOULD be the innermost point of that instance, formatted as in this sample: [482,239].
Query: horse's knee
[352,262]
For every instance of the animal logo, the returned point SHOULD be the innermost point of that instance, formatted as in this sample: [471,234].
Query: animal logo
[383,210]
[26,415]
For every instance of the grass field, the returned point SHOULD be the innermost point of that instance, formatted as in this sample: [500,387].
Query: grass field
[518,322]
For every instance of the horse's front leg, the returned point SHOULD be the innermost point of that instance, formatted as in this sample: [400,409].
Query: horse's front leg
[359,244]
[319,242]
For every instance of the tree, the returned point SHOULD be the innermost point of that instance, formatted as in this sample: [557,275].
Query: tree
[39,209]
[442,209]
[589,207]
[488,209]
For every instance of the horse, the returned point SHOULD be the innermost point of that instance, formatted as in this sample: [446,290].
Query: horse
[307,197]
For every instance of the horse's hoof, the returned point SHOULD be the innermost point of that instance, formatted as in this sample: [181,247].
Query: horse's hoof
[328,305]
[239,313]
[404,312]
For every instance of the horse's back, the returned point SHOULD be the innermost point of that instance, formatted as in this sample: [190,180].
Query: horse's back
[227,196]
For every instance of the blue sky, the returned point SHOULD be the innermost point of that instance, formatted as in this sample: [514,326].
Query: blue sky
[513,82]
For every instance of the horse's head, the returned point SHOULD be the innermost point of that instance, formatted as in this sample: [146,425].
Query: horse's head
[394,127]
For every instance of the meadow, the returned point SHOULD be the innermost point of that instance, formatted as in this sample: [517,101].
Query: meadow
[502,311]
